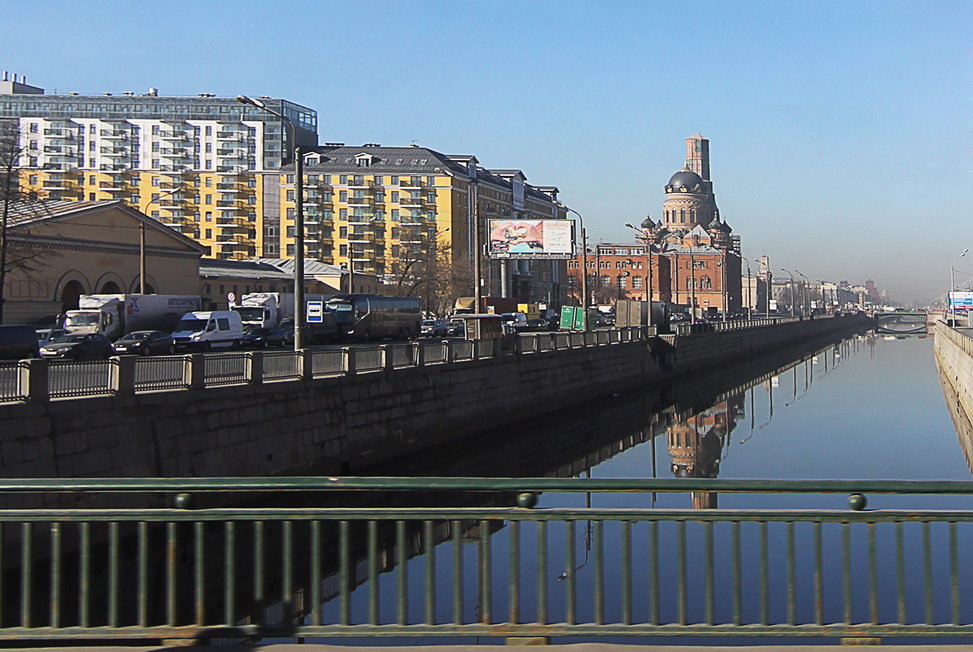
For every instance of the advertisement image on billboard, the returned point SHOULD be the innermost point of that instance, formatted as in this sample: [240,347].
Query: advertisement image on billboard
[531,239]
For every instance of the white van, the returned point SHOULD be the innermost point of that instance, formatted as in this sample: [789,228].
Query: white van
[206,330]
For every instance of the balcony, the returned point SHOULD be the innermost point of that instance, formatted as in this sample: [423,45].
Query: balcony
[361,200]
[359,184]
[174,134]
[116,134]
[410,201]
[113,186]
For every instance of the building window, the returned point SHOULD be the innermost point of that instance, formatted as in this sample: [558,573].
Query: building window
[606,280]
[637,282]
[209,233]
[622,282]
[699,264]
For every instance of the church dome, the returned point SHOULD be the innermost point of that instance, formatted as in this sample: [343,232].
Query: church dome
[687,179]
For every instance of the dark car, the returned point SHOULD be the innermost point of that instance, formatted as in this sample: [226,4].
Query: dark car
[261,338]
[455,328]
[286,327]
[538,324]
[18,342]
[78,346]
[45,335]
[433,328]
[145,343]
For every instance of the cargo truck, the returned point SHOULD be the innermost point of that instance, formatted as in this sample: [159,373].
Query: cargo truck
[268,309]
[114,315]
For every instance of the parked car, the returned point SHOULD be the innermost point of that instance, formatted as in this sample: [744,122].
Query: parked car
[538,324]
[286,327]
[455,328]
[18,342]
[145,343]
[516,320]
[262,338]
[433,328]
[79,346]
[45,335]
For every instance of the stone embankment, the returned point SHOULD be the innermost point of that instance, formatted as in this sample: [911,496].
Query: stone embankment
[342,424]
[954,358]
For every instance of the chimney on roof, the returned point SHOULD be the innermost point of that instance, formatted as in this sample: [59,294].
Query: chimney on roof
[6,75]
[153,92]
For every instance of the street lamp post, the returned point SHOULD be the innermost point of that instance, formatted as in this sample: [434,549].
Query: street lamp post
[950,299]
[648,254]
[806,293]
[142,254]
[584,266]
[791,287]
[299,312]
[749,289]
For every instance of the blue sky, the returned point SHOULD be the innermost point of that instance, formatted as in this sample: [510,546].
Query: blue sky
[840,131]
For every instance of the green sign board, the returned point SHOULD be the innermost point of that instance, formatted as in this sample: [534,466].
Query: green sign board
[579,319]
[567,318]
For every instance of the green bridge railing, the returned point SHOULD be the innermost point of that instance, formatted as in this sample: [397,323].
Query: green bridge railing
[308,558]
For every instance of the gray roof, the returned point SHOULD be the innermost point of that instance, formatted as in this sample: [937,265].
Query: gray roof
[386,160]
[25,214]
[312,267]
[210,267]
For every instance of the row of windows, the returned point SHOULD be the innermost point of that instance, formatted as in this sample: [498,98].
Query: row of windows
[358,179]
[605,264]
[619,251]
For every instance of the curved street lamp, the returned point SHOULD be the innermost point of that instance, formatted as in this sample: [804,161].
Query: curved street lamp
[299,310]
[584,266]
[806,294]
[142,255]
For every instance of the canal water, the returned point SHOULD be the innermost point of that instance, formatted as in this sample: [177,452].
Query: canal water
[867,407]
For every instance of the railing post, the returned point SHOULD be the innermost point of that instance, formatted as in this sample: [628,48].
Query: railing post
[348,360]
[448,351]
[418,354]
[306,364]
[194,371]
[33,380]
[497,351]
[387,358]
[122,381]
[254,372]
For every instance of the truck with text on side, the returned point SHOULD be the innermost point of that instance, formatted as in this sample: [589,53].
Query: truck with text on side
[114,315]
[268,309]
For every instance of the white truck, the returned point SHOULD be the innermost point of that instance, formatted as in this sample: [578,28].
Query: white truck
[268,309]
[114,315]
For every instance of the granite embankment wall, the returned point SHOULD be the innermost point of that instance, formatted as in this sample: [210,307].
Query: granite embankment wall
[954,357]
[344,424]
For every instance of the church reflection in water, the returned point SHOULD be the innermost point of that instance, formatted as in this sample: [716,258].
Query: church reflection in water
[697,443]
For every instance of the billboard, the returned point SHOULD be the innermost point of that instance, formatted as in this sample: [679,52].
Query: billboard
[531,239]
[961,300]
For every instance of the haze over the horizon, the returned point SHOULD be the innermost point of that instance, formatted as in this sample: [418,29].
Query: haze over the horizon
[840,132]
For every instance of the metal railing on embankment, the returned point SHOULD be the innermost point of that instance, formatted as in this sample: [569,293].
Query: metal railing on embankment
[40,380]
[426,557]
[736,325]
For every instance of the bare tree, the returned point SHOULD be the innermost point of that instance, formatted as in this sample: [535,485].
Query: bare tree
[423,268]
[14,254]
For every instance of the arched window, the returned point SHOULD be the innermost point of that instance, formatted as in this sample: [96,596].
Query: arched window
[707,282]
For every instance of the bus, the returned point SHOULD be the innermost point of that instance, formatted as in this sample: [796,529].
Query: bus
[368,317]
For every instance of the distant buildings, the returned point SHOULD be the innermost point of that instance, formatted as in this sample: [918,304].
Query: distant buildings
[695,257]
[210,168]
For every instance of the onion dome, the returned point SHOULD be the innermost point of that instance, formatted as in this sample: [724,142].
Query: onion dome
[685,181]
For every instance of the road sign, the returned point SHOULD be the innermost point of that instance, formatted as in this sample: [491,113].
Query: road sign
[315,312]
[230,298]
[566,322]
[579,319]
